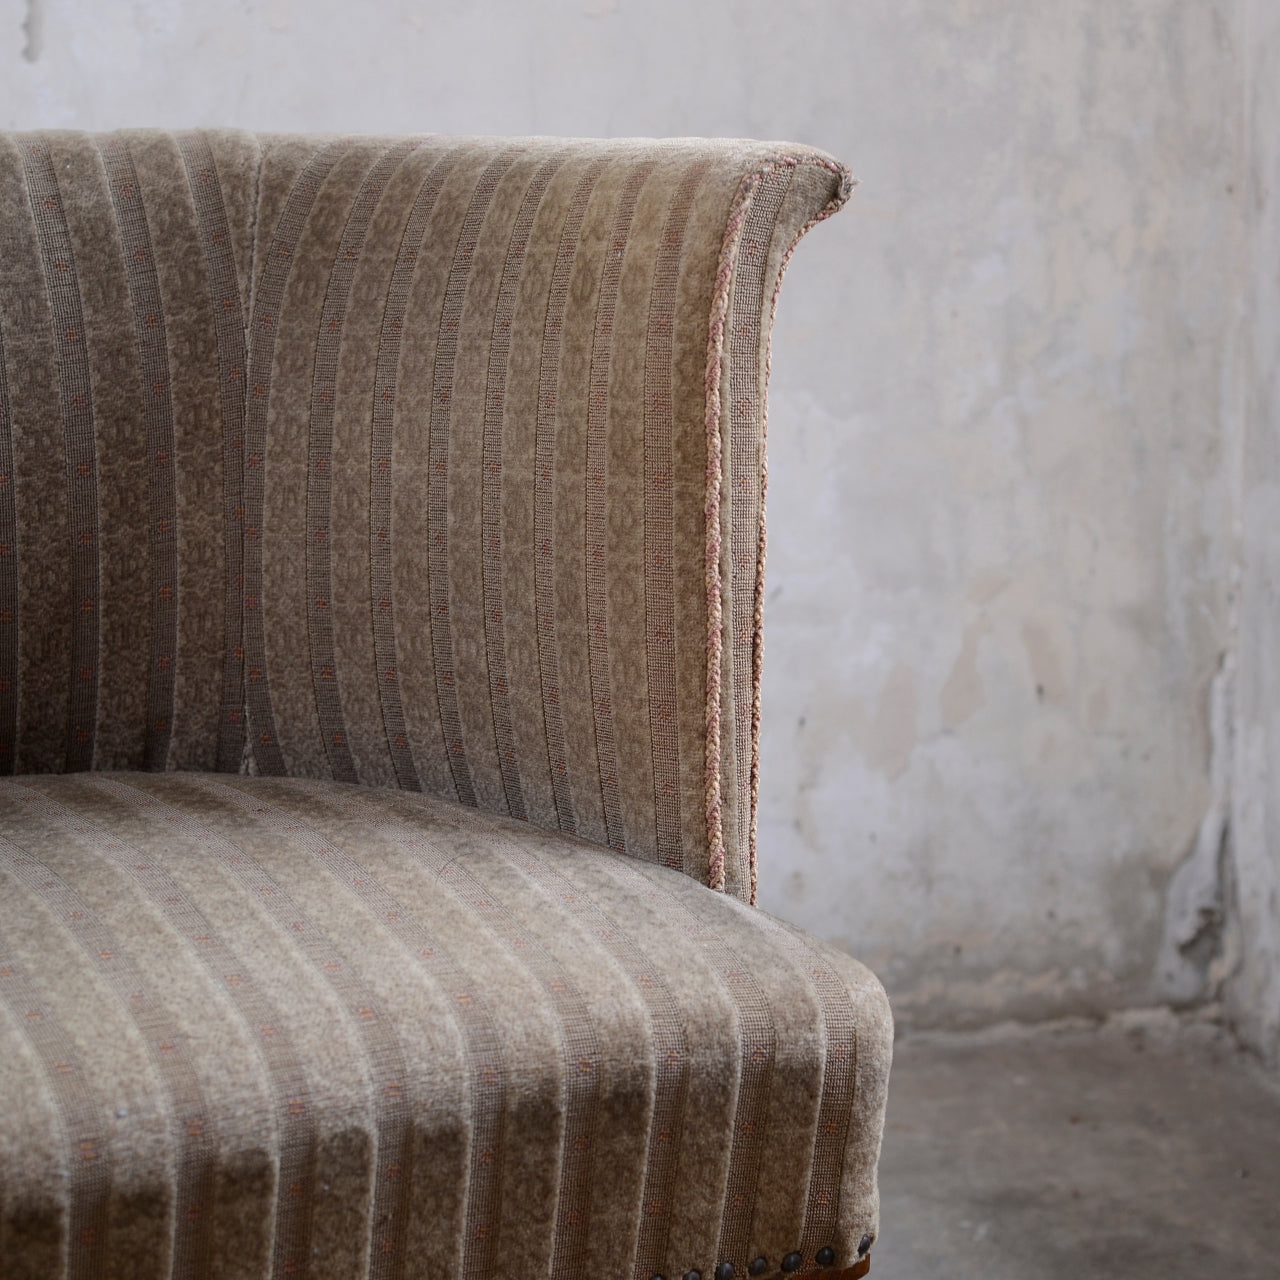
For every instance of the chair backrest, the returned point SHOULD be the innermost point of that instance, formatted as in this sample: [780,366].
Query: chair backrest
[422,462]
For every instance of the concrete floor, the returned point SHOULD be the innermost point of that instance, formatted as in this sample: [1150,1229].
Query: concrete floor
[1147,1147]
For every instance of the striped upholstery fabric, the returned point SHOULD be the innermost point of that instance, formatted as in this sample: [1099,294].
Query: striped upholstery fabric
[259,1027]
[434,465]
[422,462]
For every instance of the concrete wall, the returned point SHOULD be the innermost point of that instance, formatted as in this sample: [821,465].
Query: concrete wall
[1254,993]
[1004,425]
[991,750]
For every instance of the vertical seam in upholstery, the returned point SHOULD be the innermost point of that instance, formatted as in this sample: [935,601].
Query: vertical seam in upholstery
[381,445]
[264,739]
[439,440]
[9,634]
[325,683]
[230,330]
[595,526]
[493,562]
[255,211]
[75,395]
[248,761]
[544,496]
[156,377]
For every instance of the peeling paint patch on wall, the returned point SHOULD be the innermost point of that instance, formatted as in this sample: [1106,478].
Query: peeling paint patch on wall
[1200,948]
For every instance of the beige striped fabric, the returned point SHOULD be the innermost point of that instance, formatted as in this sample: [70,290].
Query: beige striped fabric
[258,1027]
[381,555]
[432,463]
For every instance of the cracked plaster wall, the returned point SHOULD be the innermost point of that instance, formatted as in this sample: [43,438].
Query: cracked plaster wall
[1004,417]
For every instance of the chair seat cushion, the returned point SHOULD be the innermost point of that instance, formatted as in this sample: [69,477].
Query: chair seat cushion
[258,1027]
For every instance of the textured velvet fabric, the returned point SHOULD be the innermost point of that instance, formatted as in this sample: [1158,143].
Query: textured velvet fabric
[254,1026]
[434,465]
[421,462]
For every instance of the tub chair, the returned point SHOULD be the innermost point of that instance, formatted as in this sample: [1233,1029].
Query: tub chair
[381,565]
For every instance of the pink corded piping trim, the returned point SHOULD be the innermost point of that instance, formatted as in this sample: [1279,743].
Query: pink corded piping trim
[720,299]
[711,511]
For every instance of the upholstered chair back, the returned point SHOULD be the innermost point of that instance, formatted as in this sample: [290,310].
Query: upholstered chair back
[412,462]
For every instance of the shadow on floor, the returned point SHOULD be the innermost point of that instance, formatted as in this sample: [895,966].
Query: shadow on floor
[1147,1147]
